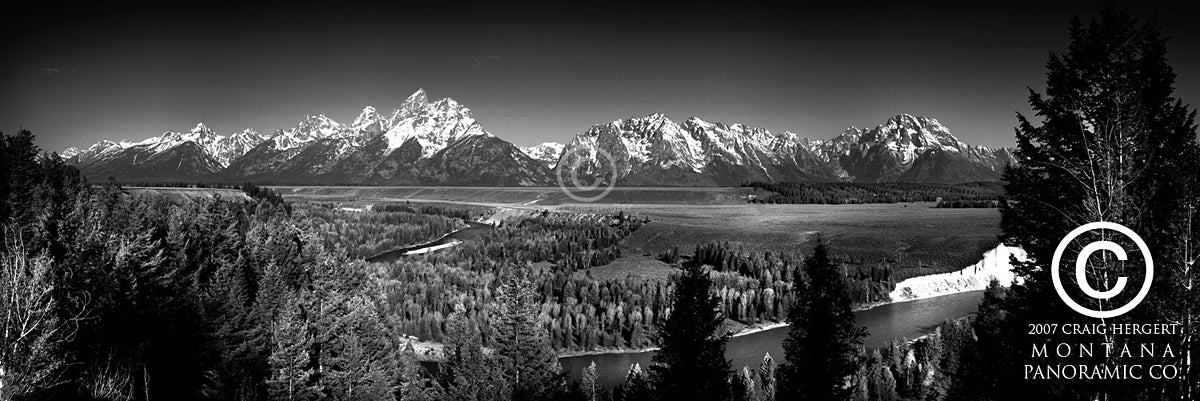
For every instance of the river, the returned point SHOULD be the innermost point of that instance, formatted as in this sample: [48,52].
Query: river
[885,322]
[908,319]
[472,231]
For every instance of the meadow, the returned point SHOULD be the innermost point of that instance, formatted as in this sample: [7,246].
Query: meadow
[603,268]
[522,196]
[913,238]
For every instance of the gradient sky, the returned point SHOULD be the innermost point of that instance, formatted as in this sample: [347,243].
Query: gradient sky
[538,72]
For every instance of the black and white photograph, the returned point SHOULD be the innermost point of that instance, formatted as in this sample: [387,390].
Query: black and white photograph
[600,201]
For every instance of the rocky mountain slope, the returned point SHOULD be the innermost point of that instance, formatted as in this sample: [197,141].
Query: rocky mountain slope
[546,152]
[654,150]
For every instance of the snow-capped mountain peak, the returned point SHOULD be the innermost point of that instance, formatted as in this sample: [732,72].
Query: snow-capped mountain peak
[432,125]
[412,105]
[546,152]
[311,128]
[418,98]
[200,129]
[655,150]
[442,143]
[234,145]
[69,152]
[426,142]
[367,117]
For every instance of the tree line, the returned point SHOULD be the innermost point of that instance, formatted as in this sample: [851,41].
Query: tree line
[859,193]
[967,204]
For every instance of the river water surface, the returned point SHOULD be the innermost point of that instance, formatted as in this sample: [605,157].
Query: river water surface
[472,231]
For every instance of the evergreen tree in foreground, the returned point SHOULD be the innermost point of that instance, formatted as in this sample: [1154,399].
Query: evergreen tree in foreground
[468,373]
[691,364]
[1112,145]
[533,368]
[821,351]
[588,384]
[766,374]
[636,386]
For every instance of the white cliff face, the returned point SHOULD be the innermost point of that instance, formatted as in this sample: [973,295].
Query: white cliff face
[994,265]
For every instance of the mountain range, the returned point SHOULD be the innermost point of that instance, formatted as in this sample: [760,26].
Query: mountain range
[438,142]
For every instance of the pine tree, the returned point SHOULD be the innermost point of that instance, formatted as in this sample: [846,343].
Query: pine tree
[358,358]
[766,376]
[993,329]
[691,363]
[744,387]
[1113,145]
[636,387]
[821,350]
[468,374]
[18,178]
[588,383]
[290,359]
[881,385]
[522,340]
[414,386]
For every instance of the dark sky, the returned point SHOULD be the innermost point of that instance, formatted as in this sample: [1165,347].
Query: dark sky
[534,72]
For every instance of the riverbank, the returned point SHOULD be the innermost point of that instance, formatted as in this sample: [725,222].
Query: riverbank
[994,264]
[428,249]
[454,238]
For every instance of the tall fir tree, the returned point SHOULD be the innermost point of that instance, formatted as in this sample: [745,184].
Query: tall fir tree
[522,340]
[766,376]
[468,373]
[691,363]
[636,386]
[821,350]
[591,391]
[1113,145]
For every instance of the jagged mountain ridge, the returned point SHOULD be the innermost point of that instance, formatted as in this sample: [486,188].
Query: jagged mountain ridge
[422,142]
[425,142]
[654,150]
